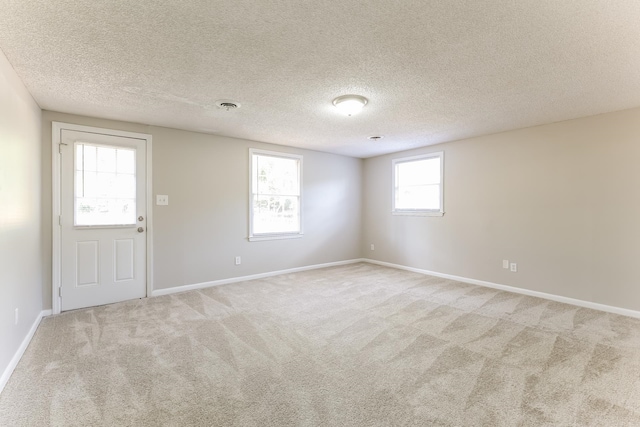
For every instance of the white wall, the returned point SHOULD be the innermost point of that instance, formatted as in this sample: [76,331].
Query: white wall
[205,225]
[561,200]
[20,213]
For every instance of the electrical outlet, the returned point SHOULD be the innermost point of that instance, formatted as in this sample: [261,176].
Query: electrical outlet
[513,267]
[238,260]
[373,248]
[162,199]
[505,264]
[16,320]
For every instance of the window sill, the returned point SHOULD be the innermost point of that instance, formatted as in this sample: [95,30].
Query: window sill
[418,213]
[262,237]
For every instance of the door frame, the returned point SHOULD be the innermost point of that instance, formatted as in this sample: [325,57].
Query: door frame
[56,170]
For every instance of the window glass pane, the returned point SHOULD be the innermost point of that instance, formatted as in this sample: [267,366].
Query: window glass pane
[79,156]
[89,160]
[276,214]
[419,172]
[106,159]
[276,175]
[417,184]
[126,161]
[90,184]
[276,194]
[104,211]
[79,184]
[418,197]
[105,186]
[125,186]
[262,170]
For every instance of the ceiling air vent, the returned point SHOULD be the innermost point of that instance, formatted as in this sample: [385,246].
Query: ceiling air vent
[228,105]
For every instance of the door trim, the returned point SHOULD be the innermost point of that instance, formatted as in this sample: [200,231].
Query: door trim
[56,135]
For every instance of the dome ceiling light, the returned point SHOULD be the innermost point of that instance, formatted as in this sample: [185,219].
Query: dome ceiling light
[350,104]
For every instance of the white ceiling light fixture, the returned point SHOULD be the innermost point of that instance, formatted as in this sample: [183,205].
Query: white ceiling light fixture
[350,104]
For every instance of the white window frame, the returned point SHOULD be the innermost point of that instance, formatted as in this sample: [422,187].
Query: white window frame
[394,186]
[253,237]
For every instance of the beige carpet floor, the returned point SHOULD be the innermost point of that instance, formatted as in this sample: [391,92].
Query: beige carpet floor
[356,345]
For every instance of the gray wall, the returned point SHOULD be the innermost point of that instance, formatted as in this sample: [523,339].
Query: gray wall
[205,225]
[20,246]
[561,200]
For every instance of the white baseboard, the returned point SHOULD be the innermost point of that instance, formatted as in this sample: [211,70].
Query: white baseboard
[543,295]
[18,355]
[183,288]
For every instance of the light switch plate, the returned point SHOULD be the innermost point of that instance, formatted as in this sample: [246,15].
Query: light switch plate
[162,199]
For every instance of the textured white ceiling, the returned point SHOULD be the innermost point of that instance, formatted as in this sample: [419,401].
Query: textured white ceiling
[433,71]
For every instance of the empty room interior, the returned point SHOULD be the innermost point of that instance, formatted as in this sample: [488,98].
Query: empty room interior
[330,213]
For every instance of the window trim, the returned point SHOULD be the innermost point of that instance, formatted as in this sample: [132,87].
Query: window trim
[417,212]
[255,237]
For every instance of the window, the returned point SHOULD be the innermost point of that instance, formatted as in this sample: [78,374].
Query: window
[105,185]
[276,199]
[418,185]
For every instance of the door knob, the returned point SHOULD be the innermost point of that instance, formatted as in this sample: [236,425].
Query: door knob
[140,229]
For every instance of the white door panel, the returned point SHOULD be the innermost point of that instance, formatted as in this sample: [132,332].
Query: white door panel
[124,256]
[87,254]
[103,227]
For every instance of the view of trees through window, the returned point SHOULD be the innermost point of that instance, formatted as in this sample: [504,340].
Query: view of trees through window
[275,194]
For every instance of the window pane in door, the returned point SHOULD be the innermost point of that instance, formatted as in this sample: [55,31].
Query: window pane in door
[105,185]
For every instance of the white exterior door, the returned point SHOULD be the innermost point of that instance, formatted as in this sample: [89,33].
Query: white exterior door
[102,219]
